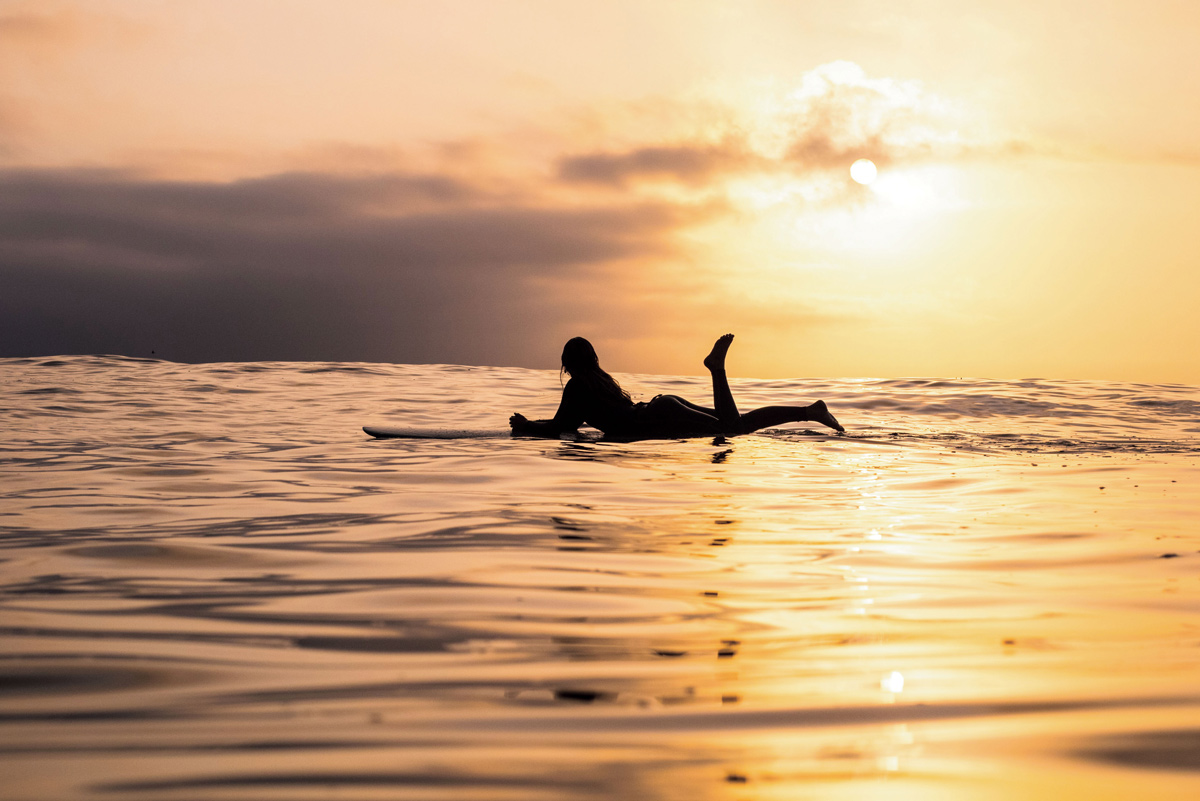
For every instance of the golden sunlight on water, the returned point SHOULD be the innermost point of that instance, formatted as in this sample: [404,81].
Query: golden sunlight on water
[215,587]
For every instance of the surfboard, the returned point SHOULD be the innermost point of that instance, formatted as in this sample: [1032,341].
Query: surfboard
[394,432]
[415,432]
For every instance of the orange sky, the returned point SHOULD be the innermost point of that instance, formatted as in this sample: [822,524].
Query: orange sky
[474,182]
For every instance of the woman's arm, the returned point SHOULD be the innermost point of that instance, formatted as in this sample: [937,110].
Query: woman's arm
[567,418]
[533,428]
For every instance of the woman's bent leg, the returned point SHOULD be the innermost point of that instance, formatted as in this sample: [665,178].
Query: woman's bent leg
[727,410]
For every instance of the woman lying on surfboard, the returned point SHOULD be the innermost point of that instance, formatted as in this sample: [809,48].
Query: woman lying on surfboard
[594,397]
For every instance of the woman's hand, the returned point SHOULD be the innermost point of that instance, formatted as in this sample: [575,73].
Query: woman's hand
[518,420]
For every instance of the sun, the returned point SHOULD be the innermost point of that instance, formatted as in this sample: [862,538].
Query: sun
[863,171]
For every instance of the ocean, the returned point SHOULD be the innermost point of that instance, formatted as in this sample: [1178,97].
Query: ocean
[214,585]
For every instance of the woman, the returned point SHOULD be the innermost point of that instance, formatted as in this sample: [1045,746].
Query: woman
[594,397]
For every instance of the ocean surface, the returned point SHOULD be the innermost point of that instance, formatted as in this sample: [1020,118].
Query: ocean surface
[214,585]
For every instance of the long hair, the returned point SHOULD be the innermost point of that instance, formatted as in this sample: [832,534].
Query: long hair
[580,361]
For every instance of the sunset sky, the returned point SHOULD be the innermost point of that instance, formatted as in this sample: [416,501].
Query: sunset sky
[474,181]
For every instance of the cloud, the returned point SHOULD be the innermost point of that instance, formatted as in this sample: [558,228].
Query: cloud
[839,112]
[401,267]
[687,163]
[834,116]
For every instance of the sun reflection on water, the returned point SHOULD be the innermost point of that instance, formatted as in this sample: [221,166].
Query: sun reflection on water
[893,682]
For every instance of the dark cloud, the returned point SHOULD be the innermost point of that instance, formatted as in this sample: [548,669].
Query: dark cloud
[817,150]
[686,163]
[405,268]
[814,149]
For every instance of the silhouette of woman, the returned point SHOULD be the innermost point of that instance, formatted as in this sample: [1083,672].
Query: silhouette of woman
[594,397]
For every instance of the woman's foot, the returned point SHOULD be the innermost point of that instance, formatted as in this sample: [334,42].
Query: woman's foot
[820,414]
[715,360]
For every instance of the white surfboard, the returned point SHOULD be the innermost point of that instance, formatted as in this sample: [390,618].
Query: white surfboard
[405,432]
